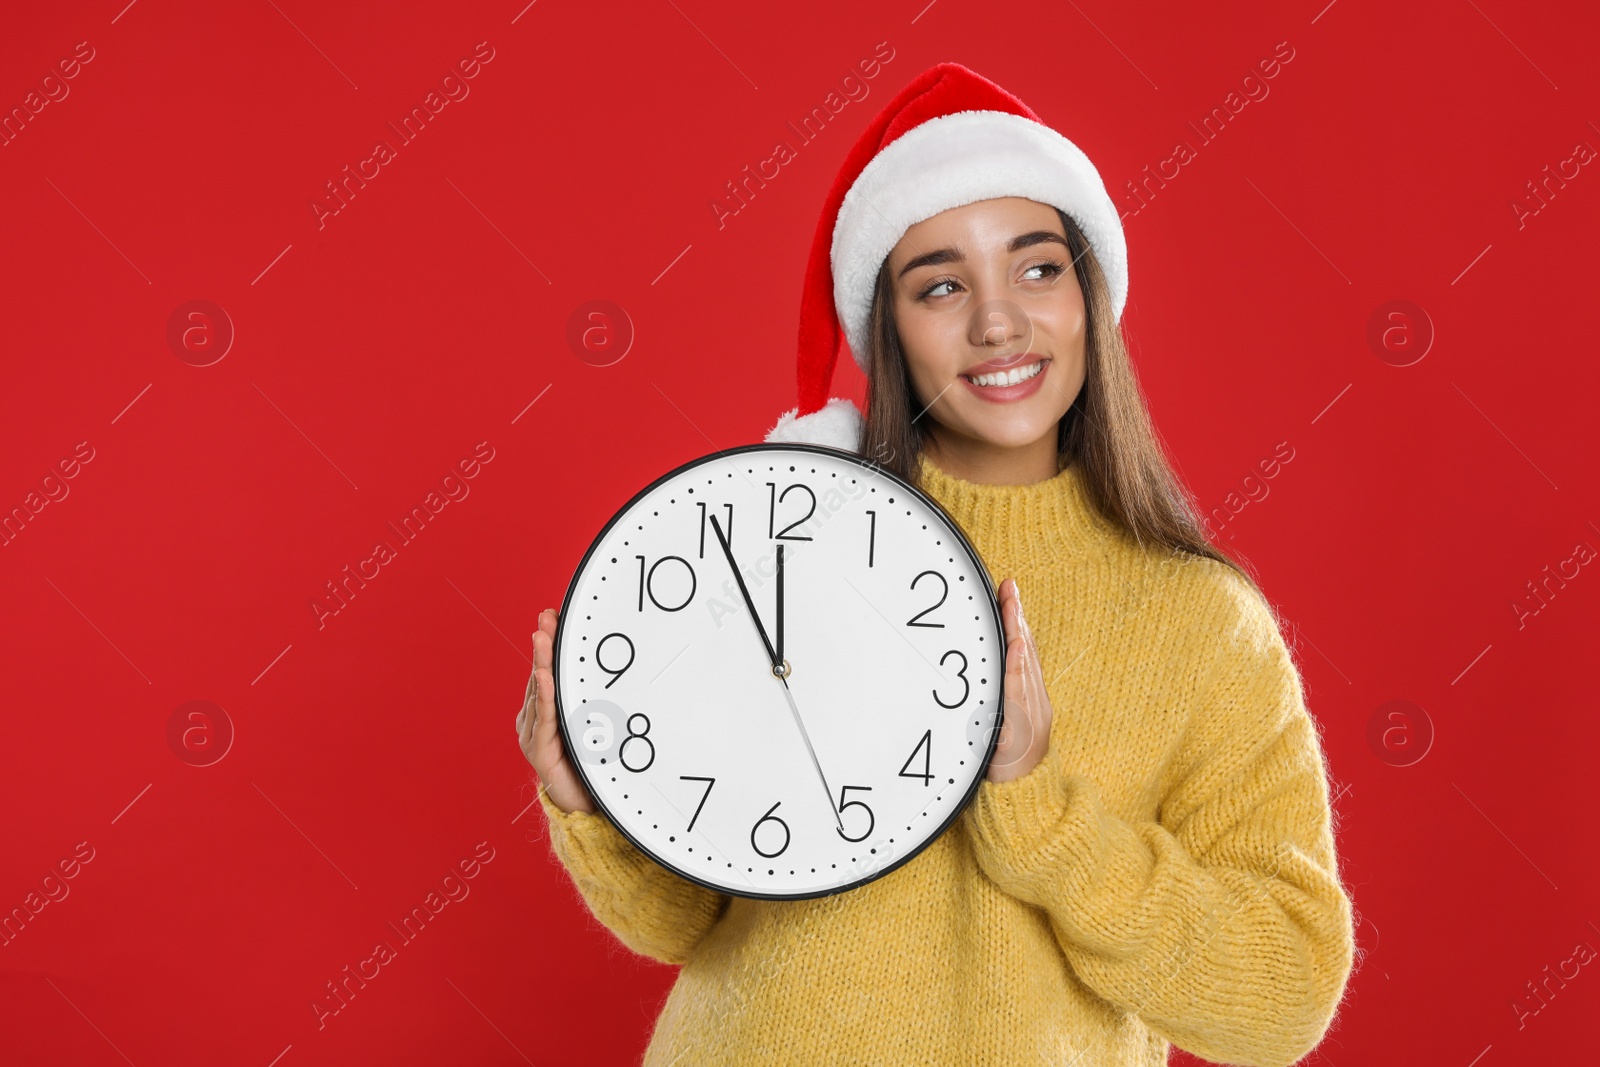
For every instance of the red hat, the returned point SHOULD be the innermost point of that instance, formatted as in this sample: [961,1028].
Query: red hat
[950,137]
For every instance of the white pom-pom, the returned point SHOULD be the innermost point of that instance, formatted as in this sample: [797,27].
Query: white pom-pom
[838,425]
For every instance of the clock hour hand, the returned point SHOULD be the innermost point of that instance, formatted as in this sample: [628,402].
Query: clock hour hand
[772,655]
[777,657]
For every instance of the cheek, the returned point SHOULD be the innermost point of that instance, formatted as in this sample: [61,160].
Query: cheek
[925,382]
[1062,322]
[923,343]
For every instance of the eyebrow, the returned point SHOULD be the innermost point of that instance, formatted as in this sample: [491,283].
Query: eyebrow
[955,255]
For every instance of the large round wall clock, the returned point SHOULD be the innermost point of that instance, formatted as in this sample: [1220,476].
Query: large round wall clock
[779,671]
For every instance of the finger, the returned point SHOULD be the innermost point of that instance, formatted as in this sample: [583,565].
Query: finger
[543,646]
[525,713]
[1008,595]
[547,626]
[1016,638]
[525,729]
[1029,651]
[1020,658]
[1018,729]
[546,737]
[1033,675]
[542,740]
[542,660]
[525,726]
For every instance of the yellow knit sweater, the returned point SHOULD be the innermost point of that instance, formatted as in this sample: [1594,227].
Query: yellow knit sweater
[1166,874]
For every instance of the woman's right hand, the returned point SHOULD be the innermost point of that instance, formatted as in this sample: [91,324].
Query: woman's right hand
[536,727]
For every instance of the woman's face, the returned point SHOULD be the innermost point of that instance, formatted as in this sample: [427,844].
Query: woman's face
[991,319]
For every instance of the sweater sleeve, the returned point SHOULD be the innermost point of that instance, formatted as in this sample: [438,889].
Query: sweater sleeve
[651,910]
[1223,924]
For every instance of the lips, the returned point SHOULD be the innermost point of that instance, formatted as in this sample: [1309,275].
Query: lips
[1006,371]
[1016,359]
[1029,373]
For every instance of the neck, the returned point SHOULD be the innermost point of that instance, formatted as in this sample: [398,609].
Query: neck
[986,463]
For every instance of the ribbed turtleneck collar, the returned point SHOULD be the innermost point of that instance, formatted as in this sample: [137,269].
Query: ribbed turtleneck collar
[1012,521]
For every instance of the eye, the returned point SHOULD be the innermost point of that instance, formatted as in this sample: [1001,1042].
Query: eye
[1054,268]
[928,290]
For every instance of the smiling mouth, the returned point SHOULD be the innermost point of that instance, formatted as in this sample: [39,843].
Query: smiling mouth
[1014,376]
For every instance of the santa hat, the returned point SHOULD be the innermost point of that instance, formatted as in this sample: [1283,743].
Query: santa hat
[949,138]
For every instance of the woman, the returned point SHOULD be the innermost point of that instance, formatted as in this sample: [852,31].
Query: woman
[1150,860]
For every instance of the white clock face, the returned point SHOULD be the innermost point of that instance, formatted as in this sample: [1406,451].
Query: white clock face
[820,749]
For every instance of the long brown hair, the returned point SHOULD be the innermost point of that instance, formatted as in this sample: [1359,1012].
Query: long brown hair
[1107,431]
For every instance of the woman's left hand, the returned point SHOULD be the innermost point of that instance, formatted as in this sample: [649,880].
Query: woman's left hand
[1025,731]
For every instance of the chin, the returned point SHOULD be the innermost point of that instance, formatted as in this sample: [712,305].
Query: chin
[1015,431]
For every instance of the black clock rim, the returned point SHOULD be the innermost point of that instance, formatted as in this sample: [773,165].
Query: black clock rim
[877,470]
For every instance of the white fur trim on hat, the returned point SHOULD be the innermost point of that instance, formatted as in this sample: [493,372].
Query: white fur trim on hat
[838,424]
[953,160]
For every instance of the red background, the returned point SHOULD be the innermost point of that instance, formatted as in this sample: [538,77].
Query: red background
[373,752]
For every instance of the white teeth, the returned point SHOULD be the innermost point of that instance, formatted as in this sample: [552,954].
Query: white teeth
[1011,377]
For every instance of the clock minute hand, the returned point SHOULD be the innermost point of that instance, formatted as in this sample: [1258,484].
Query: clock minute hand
[826,788]
[776,658]
[791,696]
[777,661]
[772,655]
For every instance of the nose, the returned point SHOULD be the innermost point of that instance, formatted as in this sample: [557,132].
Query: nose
[996,323]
